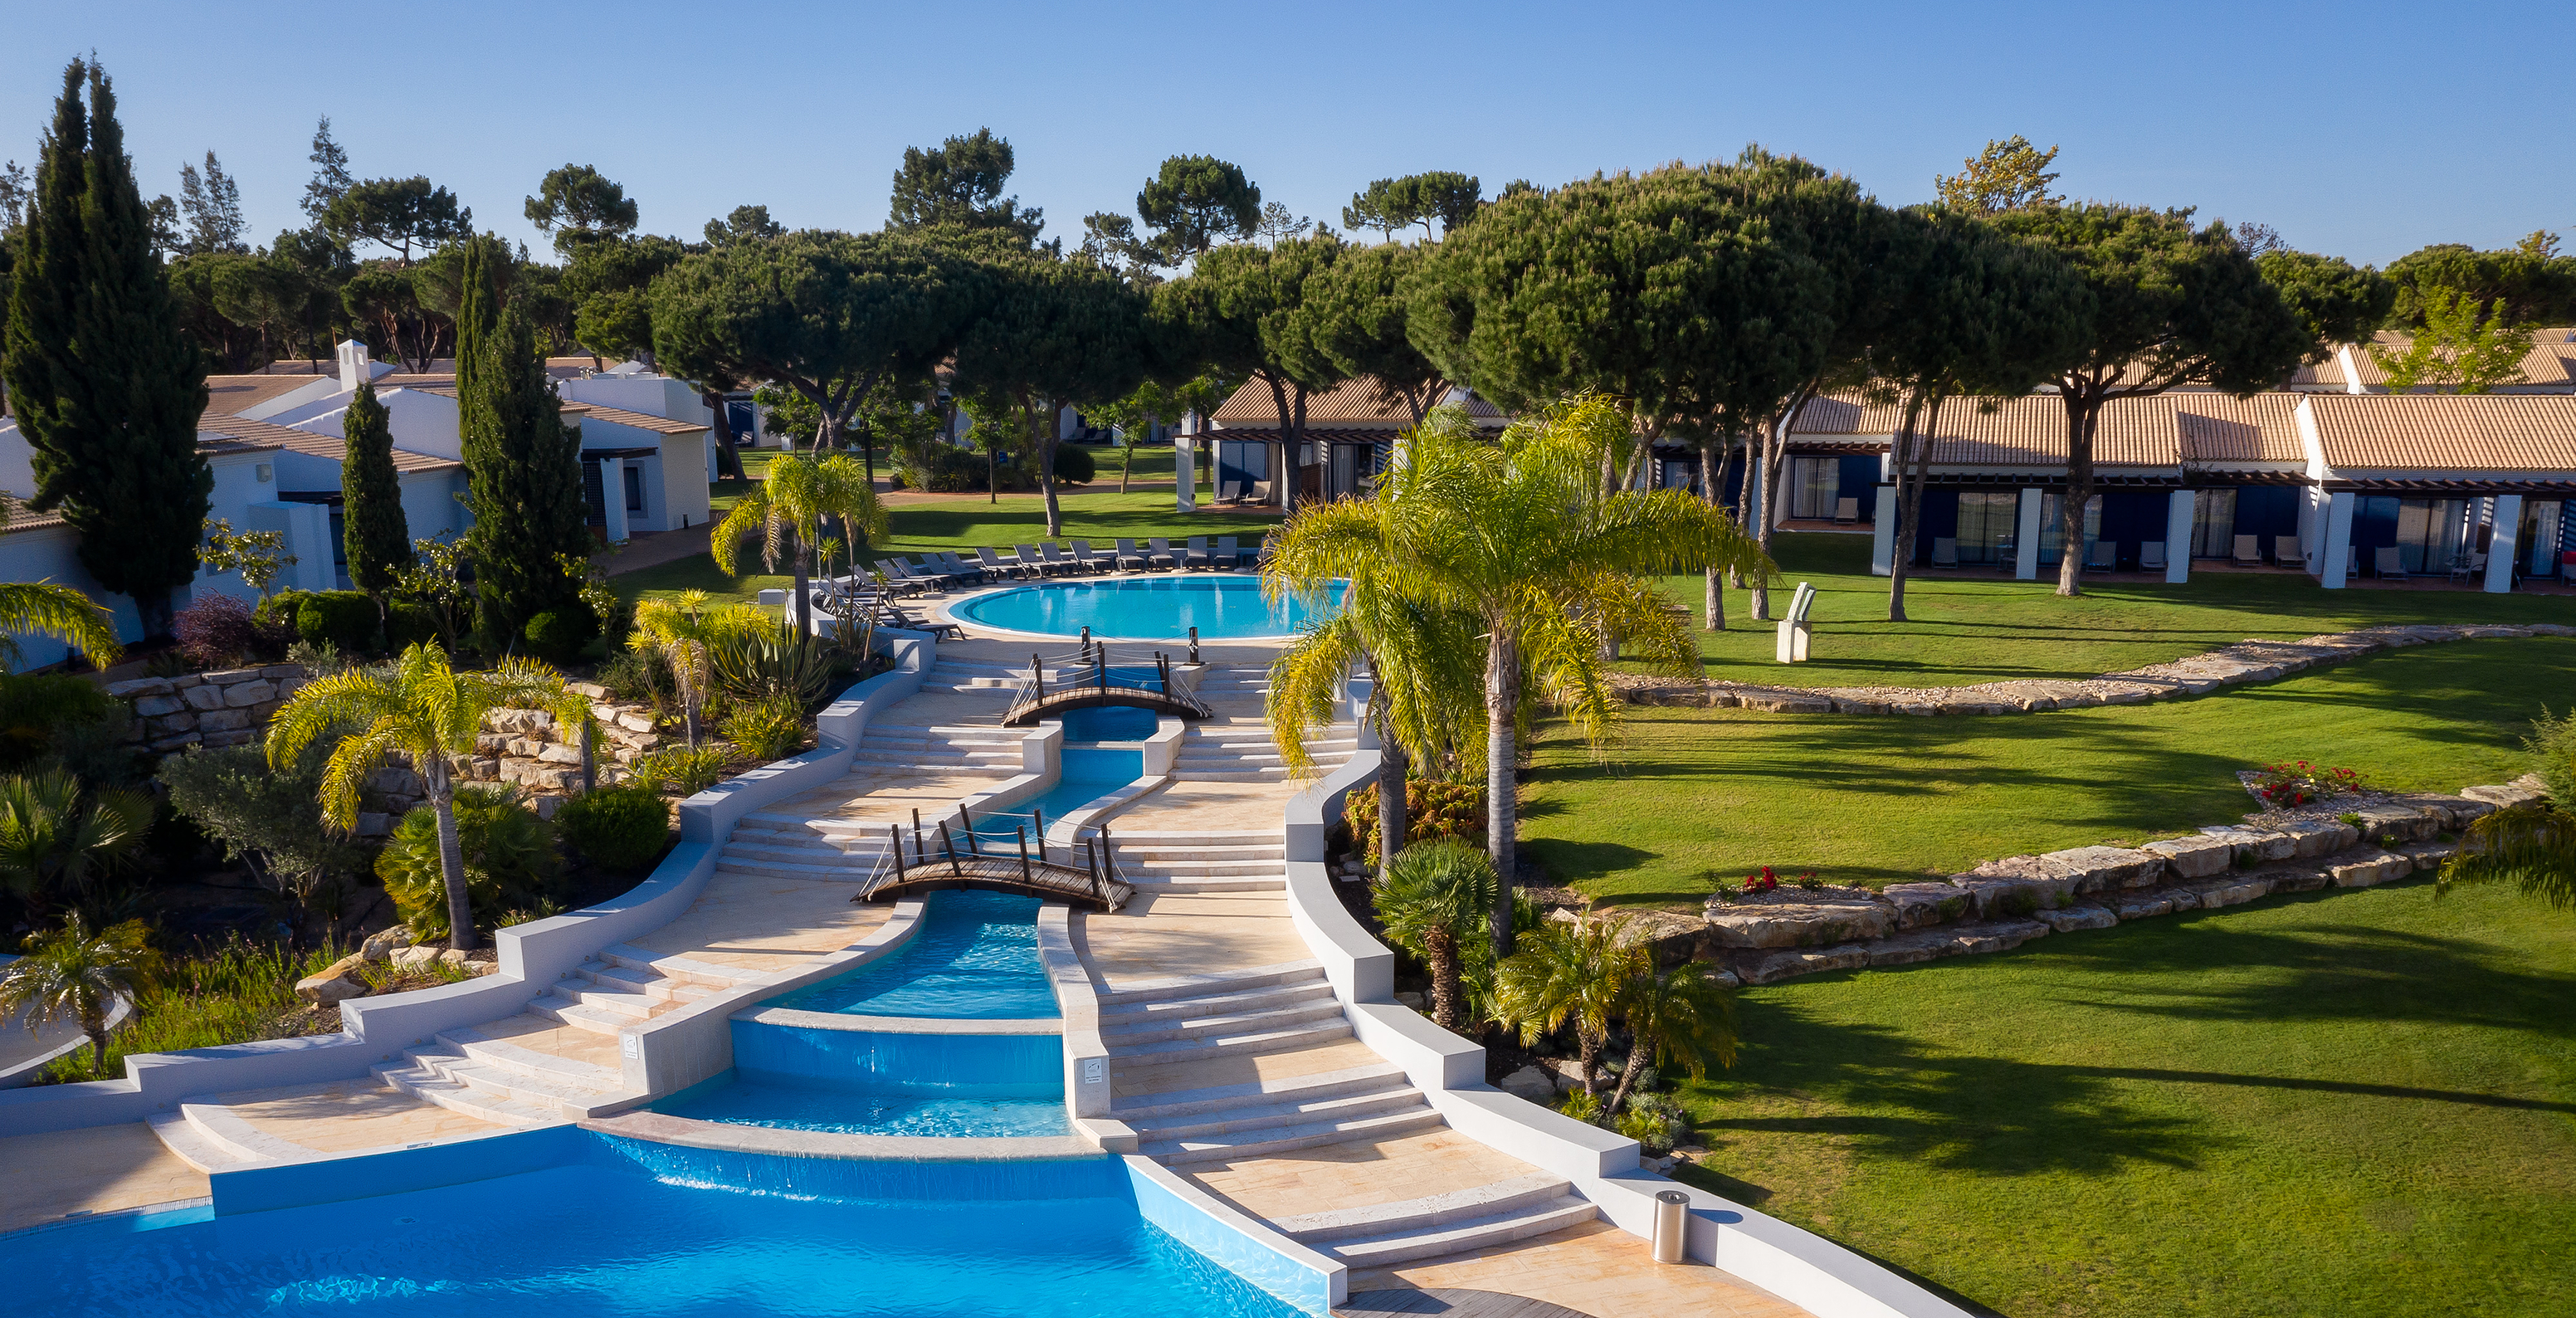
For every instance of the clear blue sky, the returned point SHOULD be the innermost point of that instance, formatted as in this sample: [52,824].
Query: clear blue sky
[2361,129]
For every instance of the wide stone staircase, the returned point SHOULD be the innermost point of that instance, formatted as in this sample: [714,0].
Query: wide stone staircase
[1201,862]
[1349,1097]
[895,747]
[560,1059]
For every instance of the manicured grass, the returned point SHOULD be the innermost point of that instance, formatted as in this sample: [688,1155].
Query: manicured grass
[1099,514]
[1981,628]
[1883,799]
[2341,1103]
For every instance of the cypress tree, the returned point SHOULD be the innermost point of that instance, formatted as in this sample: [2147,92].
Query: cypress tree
[106,388]
[372,529]
[522,463]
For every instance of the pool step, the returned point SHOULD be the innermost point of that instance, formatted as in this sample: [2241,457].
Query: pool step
[1258,997]
[453,1081]
[1182,1103]
[1183,887]
[194,1146]
[1201,986]
[1286,1139]
[1384,1098]
[672,967]
[1432,1226]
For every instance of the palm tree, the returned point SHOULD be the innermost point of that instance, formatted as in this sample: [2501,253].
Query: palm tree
[1575,970]
[71,974]
[53,842]
[425,711]
[57,611]
[1430,896]
[1680,1015]
[1524,537]
[786,511]
[2532,845]
[685,632]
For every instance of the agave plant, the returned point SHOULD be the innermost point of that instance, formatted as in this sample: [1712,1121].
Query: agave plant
[761,665]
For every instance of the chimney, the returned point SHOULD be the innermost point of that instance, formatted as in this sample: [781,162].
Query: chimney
[355,367]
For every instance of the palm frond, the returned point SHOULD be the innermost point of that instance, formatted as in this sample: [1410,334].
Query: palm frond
[67,615]
[2531,845]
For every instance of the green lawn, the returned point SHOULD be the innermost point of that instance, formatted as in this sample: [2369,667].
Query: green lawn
[2341,1103]
[1982,628]
[1882,799]
[1099,514]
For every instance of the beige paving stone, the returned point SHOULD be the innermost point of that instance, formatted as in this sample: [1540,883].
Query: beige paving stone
[1134,1082]
[1189,934]
[99,1169]
[345,1115]
[1595,1269]
[1357,1174]
[765,924]
[876,795]
[541,1034]
[1207,807]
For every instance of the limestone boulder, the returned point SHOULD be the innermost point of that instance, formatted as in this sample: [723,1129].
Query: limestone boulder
[1913,948]
[337,982]
[2371,871]
[2087,916]
[1772,967]
[1799,923]
[2295,878]
[2320,837]
[140,688]
[2253,846]
[413,958]
[243,695]
[382,944]
[1996,936]
[2195,857]
[2142,905]
[155,706]
[2234,890]
[2016,886]
[2456,812]
[231,676]
[1531,1083]
[2427,856]
[2525,790]
[232,737]
[203,697]
[223,720]
[2386,824]
[2104,869]
[1922,905]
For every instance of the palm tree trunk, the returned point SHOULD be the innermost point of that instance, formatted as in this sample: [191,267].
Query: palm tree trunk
[1443,947]
[1394,767]
[1715,611]
[1502,762]
[94,1024]
[1638,1054]
[451,864]
[1587,1054]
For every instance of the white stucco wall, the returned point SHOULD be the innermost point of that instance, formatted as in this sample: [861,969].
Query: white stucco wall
[53,554]
[421,422]
[652,395]
[675,484]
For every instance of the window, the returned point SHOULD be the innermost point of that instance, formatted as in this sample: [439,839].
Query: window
[2541,535]
[634,490]
[1814,483]
[2430,535]
[2213,523]
[339,541]
[1986,530]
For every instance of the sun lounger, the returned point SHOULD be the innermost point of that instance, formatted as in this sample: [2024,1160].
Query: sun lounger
[2103,556]
[1006,567]
[2151,556]
[1225,557]
[1059,561]
[2385,562]
[1846,510]
[2286,551]
[1130,558]
[1229,491]
[1092,558]
[1945,551]
[963,570]
[900,578]
[2249,550]
[1037,562]
[1195,557]
[930,567]
[1159,555]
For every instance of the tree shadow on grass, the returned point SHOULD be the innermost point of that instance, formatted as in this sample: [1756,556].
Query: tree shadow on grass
[1987,1116]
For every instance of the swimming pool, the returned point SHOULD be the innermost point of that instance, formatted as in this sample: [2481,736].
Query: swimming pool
[976,958]
[630,1229]
[1222,606]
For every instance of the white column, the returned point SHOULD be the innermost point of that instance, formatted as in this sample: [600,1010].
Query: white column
[2337,540]
[2026,530]
[1882,534]
[2178,538]
[2505,545]
[1185,472]
[612,497]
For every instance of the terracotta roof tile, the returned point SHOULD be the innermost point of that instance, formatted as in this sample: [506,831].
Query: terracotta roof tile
[1353,402]
[228,394]
[2219,430]
[315,445]
[2447,432]
[15,516]
[639,420]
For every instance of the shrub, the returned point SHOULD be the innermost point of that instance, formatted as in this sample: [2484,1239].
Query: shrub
[1073,465]
[2553,744]
[557,635]
[344,618]
[1654,1121]
[35,707]
[631,675]
[683,770]
[217,631]
[2299,782]
[510,860]
[618,828]
[408,624]
[767,730]
[1581,1104]
[939,467]
[1432,808]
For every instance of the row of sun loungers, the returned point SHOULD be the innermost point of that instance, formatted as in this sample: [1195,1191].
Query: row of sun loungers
[943,571]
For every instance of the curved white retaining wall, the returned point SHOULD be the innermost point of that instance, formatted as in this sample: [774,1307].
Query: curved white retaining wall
[532,956]
[1799,1266]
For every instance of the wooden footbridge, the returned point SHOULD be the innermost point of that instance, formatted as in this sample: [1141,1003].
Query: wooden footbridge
[1088,877]
[1036,700]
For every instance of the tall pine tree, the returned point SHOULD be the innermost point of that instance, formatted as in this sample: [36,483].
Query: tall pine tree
[106,388]
[373,532]
[522,463]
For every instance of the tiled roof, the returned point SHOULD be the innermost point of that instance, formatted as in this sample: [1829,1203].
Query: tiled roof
[640,420]
[1847,414]
[2550,364]
[2217,430]
[228,394]
[2447,432]
[307,442]
[1354,402]
[14,509]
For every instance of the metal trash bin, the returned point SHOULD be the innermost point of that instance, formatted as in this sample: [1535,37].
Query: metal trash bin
[1672,1226]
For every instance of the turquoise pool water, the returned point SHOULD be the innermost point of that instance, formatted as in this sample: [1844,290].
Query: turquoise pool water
[795,1103]
[976,957]
[644,1230]
[1110,723]
[1220,605]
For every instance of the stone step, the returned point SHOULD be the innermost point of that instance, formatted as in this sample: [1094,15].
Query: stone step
[424,1074]
[1273,841]
[1184,887]
[677,968]
[192,1146]
[1255,1093]
[1285,1139]
[1252,866]
[529,1062]
[1258,997]
[1249,1041]
[1386,1099]
[591,1012]
[216,1124]
[1256,1016]
[1476,1233]
[651,983]
[1201,986]
[1428,1213]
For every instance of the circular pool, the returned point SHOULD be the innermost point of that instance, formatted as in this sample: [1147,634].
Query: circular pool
[1222,606]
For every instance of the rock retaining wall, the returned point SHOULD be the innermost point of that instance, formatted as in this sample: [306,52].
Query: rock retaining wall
[2001,904]
[2234,665]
